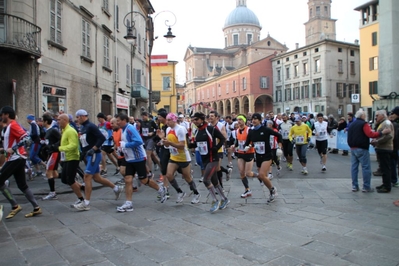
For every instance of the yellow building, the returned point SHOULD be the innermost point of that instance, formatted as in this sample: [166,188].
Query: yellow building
[369,42]
[164,85]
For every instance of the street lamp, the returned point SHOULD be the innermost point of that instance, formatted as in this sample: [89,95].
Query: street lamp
[131,37]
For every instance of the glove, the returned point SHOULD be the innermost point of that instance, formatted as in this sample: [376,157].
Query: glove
[279,152]
[123,144]
[309,139]
[42,141]
[246,148]
[90,152]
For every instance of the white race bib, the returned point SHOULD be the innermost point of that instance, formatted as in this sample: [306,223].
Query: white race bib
[271,141]
[285,134]
[173,151]
[299,140]
[202,147]
[241,145]
[145,132]
[62,156]
[260,147]
[83,140]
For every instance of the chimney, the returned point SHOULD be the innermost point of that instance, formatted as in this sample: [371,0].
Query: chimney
[296,45]
[357,42]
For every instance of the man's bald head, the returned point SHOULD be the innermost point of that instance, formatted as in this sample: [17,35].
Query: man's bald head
[63,120]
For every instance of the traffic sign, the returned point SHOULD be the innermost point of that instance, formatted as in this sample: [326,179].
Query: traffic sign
[355,98]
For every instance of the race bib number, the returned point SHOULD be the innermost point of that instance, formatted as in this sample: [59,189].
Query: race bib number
[241,145]
[300,140]
[202,147]
[260,147]
[83,140]
[145,132]
[285,134]
[62,156]
[322,133]
[271,141]
[174,151]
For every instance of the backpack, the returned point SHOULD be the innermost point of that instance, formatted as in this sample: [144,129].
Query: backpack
[42,132]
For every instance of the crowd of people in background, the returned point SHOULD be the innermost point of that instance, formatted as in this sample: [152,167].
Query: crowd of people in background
[140,146]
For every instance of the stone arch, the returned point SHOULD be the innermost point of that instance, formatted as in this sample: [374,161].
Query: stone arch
[263,103]
[245,104]
[214,106]
[228,107]
[221,108]
[236,106]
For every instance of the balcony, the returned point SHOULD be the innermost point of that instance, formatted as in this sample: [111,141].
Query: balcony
[156,96]
[19,35]
[139,92]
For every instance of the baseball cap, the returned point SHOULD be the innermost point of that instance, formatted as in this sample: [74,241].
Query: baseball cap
[257,116]
[181,116]
[305,117]
[30,117]
[395,110]
[81,112]
[7,110]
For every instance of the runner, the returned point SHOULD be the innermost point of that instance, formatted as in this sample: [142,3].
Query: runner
[245,159]
[132,147]
[164,152]
[300,135]
[208,147]
[91,140]
[69,156]
[276,151]
[52,141]
[15,138]
[34,134]
[259,138]
[321,133]
[148,130]
[107,148]
[284,129]
[175,141]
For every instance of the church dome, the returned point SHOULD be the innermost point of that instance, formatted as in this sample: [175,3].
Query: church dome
[241,15]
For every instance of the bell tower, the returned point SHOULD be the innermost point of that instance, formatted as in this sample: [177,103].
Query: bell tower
[320,25]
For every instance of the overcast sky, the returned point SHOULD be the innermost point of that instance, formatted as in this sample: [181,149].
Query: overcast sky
[200,23]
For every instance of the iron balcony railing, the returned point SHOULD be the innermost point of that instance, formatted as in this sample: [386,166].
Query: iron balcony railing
[139,92]
[19,34]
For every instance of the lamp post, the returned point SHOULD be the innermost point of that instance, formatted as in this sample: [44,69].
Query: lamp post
[131,37]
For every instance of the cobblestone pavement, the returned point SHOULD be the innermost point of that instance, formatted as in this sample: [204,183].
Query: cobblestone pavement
[315,220]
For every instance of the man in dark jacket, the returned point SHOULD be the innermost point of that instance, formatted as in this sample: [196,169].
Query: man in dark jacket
[359,141]
[394,118]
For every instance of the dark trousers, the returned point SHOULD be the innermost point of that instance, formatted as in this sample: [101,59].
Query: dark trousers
[385,165]
[394,173]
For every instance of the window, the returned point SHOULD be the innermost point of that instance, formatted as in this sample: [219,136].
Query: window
[305,53]
[106,5]
[297,92]
[219,90]
[213,92]
[225,41]
[166,83]
[305,90]
[117,17]
[374,41]
[310,12]
[85,38]
[227,88]
[317,11]
[249,39]
[296,71]
[288,95]
[305,109]
[287,59]
[207,93]
[340,67]
[235,39]
[317,65]
[264,82]
[295,56]
[339,50]
[106,52]
[128,76]
[287,73]
[316,50]
[305,68]
[317,108]
[279,75]
[352,68]
[326,10]
[244,83]
[55,21]
[234,86]
[341,90]
[373,63]
[138,43]
[352,53]
[116,67]
[373,87]
[278,62]
[278,94]
[316,88]
[137,77]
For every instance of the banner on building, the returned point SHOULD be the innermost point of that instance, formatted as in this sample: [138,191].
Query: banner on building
[159,60]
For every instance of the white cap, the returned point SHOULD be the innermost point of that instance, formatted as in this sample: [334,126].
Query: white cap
[181,116]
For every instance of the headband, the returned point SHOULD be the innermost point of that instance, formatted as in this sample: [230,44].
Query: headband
[242,118]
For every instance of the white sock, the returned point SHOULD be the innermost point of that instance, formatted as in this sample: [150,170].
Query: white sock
[129,202]
[87,202]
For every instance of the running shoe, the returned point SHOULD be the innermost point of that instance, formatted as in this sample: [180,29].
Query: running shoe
[196,198]
[395,184]
[82,206]
[116,171]
[120,181]
[228,175]
[290,166]
[14,212]
[323,169]
[156,168]
[305,171]
[223,204]
[246,194]
[201,179]
[50,196]
[270,176]
[118,192]
[35,212]
[162,193]
[215,206]
[366,190]
[355,189]
[7,183]
[76,203]
[233,157]
[103,173]
[180,197]
[126,207]
[273,195]
[38,174]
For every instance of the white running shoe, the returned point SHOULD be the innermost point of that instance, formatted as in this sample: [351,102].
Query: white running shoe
[81,206]
[119,191]
[270,176]
[196,198]
[228,175]
[127,207]
[180,197]
[50,196]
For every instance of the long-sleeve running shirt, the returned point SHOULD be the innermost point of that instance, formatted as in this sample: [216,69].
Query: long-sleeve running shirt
[259,136]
